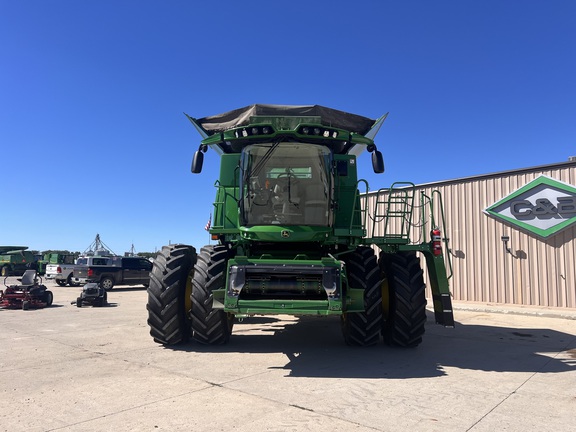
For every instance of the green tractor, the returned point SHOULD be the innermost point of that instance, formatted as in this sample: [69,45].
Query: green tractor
[290,233]
[42,261]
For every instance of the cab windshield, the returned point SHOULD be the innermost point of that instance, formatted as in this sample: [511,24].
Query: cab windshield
[285,184]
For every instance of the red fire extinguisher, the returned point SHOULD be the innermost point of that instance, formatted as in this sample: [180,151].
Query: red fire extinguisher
[436,241]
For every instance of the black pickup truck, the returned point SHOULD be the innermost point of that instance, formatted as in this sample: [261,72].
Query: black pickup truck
[116,271]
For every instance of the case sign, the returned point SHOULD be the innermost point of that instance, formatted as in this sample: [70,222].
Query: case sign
[543,207]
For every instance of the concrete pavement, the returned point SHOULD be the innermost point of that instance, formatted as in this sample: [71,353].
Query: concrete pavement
[92,369]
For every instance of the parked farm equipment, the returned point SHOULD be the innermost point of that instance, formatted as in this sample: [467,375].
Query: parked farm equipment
[290,231]
[29,294]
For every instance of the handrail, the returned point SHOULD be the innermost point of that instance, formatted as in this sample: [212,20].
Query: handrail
[398,201]
[219,208]
[444,239]
[363,210]
[431,202]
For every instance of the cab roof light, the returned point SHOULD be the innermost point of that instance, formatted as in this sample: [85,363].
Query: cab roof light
[324,132]
[253,131]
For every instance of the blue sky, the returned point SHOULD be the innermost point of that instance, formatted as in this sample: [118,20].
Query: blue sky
[93,137]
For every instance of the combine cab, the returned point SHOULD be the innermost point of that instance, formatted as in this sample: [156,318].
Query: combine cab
[291,237]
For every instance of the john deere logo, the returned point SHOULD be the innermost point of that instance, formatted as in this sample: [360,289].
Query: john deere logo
[543,207]
[285,233]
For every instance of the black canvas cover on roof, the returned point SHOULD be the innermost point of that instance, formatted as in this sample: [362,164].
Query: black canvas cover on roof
[330,117]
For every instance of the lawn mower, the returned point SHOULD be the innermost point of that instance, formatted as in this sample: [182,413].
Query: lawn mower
[29,294]
[92,294]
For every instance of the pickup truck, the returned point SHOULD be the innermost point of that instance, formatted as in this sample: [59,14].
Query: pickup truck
[116,271]
[61,271]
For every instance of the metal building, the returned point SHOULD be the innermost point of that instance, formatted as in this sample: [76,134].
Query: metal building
[512,235]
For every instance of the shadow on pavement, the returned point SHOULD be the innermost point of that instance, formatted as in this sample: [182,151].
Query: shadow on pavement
[315,347]
[127,288]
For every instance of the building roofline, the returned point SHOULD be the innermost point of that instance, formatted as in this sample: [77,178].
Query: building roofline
[556,165]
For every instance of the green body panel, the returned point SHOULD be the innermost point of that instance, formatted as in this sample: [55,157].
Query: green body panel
[292,307]
[346,193]
[266,304]
[226,204]
[285,234]
[19,257]
[441,296]
[229,170]
[225,211]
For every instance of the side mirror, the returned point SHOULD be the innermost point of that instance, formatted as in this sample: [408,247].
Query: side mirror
[377,162]
[197,162]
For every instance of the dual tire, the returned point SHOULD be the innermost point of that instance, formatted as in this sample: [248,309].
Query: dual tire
[404,299]
[210,326]
[363,328]
[394,299]
[180,295]
[170,285]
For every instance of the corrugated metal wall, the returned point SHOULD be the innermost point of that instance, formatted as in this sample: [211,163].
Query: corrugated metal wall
[537,272]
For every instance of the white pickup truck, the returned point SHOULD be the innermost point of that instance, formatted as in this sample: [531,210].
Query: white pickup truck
[62,274]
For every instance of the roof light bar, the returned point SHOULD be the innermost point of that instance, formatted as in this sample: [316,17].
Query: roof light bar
[253,131]
[324,132]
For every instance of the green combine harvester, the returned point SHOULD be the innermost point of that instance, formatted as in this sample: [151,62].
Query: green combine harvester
[291,237]
[15,260]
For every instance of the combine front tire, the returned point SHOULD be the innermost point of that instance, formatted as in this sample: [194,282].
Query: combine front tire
[363,328]
[169,294]
[404,299]
[210,326]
